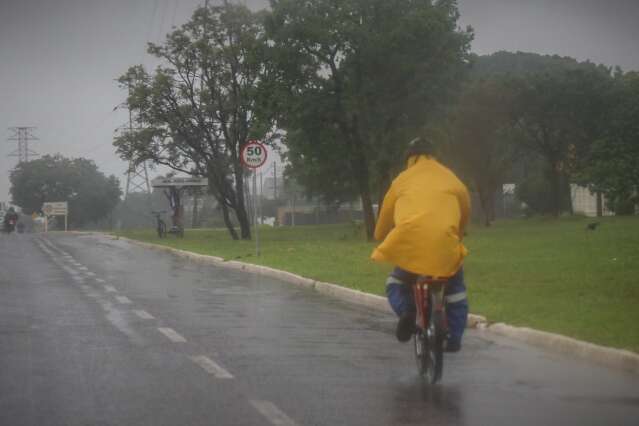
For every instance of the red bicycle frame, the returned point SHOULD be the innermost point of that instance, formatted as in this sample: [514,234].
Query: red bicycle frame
[420,292]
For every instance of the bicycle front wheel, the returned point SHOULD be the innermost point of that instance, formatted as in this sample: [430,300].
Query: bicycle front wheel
[429,343]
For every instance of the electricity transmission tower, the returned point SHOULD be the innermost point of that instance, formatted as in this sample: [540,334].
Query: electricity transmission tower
[137,179]
[22,135]
[137,175]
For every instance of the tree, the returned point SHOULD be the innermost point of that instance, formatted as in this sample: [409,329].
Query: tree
[366,74]
[560,114]
[91,195]
[614,166]
[318,167]
[479,137]
[520,64]
[200,108]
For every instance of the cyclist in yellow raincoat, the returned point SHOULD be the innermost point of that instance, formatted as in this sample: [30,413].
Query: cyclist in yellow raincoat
[422,222]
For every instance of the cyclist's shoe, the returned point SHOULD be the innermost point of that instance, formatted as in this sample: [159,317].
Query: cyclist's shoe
[405,326]
[452,346]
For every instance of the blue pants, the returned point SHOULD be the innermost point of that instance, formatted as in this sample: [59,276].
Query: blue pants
[400,297]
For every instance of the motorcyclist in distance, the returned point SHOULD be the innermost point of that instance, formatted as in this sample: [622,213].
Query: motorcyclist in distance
[10,220]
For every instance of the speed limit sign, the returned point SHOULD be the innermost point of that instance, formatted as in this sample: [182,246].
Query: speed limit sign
[253,155]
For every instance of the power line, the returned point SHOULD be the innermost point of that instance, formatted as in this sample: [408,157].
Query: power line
[162,13]
[152,21]
[23,135]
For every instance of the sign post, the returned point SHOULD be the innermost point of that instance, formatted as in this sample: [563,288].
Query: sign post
[58,208]
[253,156]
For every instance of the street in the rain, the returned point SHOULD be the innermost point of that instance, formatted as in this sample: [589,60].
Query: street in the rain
[98,331]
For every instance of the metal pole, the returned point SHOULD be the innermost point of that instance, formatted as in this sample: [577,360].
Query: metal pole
[65,223]
[275,181]
[257,235]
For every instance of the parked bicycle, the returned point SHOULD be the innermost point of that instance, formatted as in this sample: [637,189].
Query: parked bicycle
[160,224]
[431,327]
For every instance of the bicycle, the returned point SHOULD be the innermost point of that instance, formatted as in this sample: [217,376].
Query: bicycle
[160,224]
[431,328]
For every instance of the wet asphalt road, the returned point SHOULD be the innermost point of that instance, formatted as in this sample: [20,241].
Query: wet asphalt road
[96,331]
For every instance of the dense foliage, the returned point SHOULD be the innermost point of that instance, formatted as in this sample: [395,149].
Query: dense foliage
[357,80]
[91,195]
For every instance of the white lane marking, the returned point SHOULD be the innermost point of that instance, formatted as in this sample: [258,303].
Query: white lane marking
[90,274]
[53,246]
[69,270]
[83,268]
[118,319]
[211,367]
[123,299]
[273,414]
[100,280]
[86,287]
[172,335]
[143,314]
[110,289]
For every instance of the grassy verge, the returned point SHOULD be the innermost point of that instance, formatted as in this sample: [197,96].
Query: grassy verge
[548,274]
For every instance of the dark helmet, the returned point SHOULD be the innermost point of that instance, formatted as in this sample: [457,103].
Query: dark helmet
[419,146]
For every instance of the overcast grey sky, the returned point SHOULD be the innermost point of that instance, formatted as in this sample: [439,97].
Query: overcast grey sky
[59,58]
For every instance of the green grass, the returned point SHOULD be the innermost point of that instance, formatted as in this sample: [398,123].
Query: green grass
[547,274]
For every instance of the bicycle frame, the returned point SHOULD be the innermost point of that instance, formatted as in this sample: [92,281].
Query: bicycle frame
[420,293]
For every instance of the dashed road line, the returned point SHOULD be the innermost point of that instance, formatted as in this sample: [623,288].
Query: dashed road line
[211,367]
[172,335]
[100,280]
[123,300]
[273,414]
[143,314]
[110,289]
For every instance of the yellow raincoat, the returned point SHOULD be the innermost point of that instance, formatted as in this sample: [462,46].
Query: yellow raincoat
[422,220]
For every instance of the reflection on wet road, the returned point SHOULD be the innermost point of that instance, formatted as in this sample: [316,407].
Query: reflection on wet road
[95,330]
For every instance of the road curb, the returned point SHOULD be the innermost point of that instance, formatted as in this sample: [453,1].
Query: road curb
[611,357]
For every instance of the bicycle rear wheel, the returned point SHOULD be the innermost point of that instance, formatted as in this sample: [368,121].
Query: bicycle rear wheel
[429,343]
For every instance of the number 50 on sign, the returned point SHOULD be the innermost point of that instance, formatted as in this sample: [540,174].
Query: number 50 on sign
[253,155]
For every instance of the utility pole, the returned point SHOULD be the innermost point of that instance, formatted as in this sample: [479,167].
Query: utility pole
[22,135]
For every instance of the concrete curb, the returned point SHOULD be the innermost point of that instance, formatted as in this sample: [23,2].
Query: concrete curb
[615,358]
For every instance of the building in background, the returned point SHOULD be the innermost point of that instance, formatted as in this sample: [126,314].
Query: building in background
[588,203]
